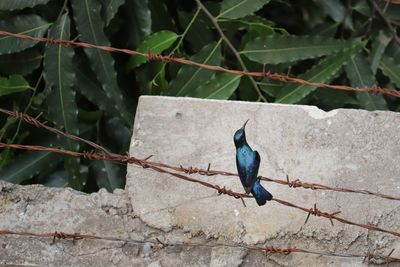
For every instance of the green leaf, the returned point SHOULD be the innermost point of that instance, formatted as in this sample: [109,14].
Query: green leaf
[390,69]
[151,78]
[255,26]
[139,20]
[233,9]
[109,9]
[31,163]
[323,72]
[20,4]
[378,48]
[281,49]
[75,179]
[60,76]
[246,90]
[115,135]
[158,81]
[333,8]
[391,12]
[362,7]
[108,175]
[327,29]
[198,29]
[90,26]
[271,87]
[31,25]
[38,99]
[333,99]
[393,51]
[155,43]
[190,77]
[336,10]
[13,84]
[89,86]
[21,63]
[221,86]
[90,117]
[6,157]
[7,154]
[360,76]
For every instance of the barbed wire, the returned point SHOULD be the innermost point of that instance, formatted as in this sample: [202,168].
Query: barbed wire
[161,167]
[168,59]
[297,183]
[35,122]
[144,163]
[267,250]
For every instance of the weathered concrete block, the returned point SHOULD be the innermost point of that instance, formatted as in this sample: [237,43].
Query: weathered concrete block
[347,148]
[39,209]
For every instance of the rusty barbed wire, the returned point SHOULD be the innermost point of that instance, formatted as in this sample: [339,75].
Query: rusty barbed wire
[145,163]
[58,235]
[132,160]
[35,122]
[267,250]
[277,250]
[297,183]
[267,74]
[316,212]
[221,190]
[332,216]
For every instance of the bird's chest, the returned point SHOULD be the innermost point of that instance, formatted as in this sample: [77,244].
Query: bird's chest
[245,157]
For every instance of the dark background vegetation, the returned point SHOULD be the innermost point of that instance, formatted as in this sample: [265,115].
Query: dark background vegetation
[94,94]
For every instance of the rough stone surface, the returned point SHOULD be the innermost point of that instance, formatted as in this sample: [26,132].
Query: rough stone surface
[39,209]
[349,148]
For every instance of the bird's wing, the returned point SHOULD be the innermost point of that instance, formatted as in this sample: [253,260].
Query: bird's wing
[248,169]
[242,172]
[252,170]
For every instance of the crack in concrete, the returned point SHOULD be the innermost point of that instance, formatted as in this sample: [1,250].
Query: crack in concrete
[178,205]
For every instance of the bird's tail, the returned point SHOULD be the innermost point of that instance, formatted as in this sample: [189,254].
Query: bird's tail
[260,194]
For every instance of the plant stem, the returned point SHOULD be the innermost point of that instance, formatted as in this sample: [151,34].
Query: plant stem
[181,37]
[231,47]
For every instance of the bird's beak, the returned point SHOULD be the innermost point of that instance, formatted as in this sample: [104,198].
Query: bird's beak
[244,125]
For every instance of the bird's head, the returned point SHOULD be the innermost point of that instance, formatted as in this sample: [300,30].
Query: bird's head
[240,136]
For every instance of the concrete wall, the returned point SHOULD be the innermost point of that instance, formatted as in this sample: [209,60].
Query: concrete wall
[347,148]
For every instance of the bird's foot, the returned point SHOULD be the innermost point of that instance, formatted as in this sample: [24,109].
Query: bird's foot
[244,204]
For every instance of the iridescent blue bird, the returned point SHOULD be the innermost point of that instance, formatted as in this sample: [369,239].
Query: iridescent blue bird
[248,163]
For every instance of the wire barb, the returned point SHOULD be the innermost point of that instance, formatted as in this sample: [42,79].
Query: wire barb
[224,191]
[316,212]
[276,250]
[62,235]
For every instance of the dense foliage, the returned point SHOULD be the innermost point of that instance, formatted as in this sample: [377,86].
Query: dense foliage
[94,94]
